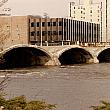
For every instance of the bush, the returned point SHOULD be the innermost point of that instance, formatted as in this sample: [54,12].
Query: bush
[104,106]
[20,103]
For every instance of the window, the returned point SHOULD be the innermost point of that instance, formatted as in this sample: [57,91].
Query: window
[49,23]
[90,11]
[98,20]
[37,24]
[74,7]
[54,33]
[98,11]
[38,33]
[32,33]
[81,12]
[43,33]
[49,33]
[91,20]
[60,32]
[60,23]
[43,23]
[32,24]
[54,23]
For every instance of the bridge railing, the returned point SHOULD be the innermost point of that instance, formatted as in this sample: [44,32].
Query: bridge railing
[62,43]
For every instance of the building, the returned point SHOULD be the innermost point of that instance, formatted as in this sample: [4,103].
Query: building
[46,31]
[88,12]
[59,31]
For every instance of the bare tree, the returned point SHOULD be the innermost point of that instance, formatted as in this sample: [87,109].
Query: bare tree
[3,83]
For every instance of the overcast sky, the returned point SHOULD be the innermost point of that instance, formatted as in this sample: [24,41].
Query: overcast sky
[54,8]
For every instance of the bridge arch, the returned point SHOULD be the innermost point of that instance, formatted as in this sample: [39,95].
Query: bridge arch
[75,55]
[24,55]
[104,55]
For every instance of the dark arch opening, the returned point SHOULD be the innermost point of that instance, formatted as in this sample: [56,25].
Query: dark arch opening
[75,56]
[104,56]
[24,57]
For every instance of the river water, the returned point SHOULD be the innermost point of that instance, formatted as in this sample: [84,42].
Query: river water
[74,87]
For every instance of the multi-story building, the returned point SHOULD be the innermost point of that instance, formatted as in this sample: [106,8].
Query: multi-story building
[57,31]
[90,12]
[46,31]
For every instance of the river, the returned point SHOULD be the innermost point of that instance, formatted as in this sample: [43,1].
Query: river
[75,87]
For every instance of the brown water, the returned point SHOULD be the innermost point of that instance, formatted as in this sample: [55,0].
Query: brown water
[70,87]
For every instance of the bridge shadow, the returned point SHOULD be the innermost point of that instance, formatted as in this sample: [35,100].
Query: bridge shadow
[75,56]
[104,56]
[24,57]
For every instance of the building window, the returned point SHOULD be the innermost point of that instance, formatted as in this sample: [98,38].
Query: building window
[60,23]
[60,32]
[54,32]
[98,11]
[90,11]
[81,12]
[37,24]
[43,33]
[74,7]
[49,23]
[43,24]
[38,33]
[54,23]
[32,33]
[32,24]
[98,20]
[90,20]
[49,33]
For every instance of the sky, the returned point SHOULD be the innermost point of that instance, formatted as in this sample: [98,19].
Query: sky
[54,8]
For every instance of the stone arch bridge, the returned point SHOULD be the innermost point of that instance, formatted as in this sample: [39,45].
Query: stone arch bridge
[26,55]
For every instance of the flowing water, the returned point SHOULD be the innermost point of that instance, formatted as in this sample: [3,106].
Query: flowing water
[74,87]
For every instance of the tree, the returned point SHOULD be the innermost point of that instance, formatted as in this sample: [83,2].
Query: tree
[105,106]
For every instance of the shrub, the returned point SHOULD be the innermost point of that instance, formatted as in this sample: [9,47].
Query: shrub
[20,103]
